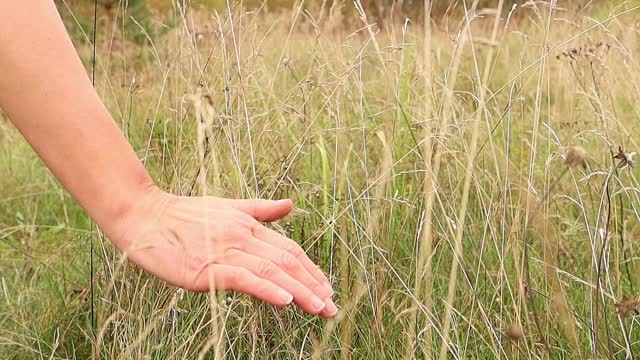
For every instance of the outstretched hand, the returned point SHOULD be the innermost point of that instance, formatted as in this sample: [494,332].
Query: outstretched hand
[188,242]
[192,242]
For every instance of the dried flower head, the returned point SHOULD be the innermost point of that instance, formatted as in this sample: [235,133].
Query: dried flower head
[597,51]
[626,159]
[576,156]
[627,307]
[515,332]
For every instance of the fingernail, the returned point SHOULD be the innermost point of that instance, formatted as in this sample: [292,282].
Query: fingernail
[331,308]
[285,297]
[317,304]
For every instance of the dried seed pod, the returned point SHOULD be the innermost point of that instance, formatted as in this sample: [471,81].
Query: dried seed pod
[628,307]
[626,158]
[515,332]
[575,156]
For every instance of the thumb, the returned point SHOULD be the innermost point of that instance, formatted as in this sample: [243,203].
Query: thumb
[263,210]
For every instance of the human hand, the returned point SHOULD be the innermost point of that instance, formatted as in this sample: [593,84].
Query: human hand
[185,240]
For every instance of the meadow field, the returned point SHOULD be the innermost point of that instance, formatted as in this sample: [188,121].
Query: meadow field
[467,181]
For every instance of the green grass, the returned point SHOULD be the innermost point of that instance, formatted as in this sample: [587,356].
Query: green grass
[338,123]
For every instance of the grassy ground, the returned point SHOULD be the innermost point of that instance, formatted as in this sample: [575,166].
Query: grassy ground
[435,190]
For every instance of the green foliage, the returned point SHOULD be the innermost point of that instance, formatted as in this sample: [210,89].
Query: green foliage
[324,110]
[137,24]
[133,17]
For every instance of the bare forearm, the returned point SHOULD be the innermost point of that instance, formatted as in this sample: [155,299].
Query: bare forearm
[45,91]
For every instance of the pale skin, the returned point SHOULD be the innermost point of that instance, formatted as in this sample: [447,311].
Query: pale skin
[189,242]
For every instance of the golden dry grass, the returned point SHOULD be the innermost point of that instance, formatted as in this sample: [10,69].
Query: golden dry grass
[430,164]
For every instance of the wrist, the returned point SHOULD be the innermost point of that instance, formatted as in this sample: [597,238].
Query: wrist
[128,201]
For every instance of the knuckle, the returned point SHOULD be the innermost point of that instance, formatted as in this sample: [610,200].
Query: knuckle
[317,289]
[231,277]
[254,227]
[239,233]
[266,269]
[239,243]
[288,260]
[232,253]
[318,272]
[246,220]
[253,206]
[258,230]
[294,249]
[308,294]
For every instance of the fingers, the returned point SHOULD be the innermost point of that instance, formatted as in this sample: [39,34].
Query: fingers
[262,210]
[265,269]
[289,263]
[242,280]
[282,250]
[282,242]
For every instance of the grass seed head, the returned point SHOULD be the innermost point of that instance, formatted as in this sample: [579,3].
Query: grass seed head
[576,156]
[515,332]
[628,307]
[626,158]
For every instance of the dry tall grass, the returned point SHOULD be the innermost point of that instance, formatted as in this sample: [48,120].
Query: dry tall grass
[433,169]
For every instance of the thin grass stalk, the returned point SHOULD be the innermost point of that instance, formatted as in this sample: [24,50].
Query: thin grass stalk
[460,226]
[423,275]
[376,217]
[432,156]
[215,298]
